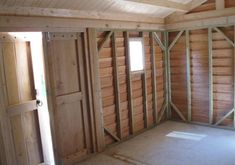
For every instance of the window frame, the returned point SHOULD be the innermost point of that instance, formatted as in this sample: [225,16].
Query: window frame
[143,54]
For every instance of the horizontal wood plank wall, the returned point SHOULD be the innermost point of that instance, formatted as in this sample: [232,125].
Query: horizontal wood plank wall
[223,75]
[137,89]
[107,86]
[208,5]
[178,74]
[222,52]
[109,102]
[199,75]
[160,82]
[229,3]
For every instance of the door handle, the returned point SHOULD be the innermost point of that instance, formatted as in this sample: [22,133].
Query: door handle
[39,103]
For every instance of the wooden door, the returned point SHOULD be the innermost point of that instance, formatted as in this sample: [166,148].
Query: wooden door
[19,123]
[66,67]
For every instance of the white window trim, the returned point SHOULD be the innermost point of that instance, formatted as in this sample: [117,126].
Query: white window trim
[129,53]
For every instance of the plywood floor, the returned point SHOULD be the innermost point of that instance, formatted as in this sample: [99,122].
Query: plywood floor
[216,147]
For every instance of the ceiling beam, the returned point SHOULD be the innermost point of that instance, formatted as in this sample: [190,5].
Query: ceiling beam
[201,15]
[192,5]
[54,24]
[164,3]
[80,14]
[222,17]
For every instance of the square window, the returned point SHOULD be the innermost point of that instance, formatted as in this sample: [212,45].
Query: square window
[136,53]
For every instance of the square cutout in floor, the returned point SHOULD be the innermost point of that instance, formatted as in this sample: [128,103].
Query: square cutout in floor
[186,135]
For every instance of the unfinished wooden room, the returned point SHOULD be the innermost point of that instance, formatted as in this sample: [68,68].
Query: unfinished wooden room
[117,82]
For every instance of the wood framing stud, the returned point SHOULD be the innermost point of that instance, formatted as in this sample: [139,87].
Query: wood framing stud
[89,92]
[106,38]
[223,118]
[224,35]
[162,112]
[175,40]
[219,4]
[158,40]
[145,95]
[210,75]
[189,100]
[154,83]
[234,77]
[116,85]
[97,105]
[129,84]
[111,134]
[167,73]
[178,111]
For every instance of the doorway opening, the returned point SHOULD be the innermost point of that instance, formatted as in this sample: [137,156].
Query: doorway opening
[35,40]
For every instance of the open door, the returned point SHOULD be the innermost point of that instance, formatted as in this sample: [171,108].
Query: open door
[26,138]
[67,79]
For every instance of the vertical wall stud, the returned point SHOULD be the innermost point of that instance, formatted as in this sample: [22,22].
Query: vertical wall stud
[154,85]
[167,75]
[129,84]
[144,82]
[189,101]
[234,77]
[210,75]
[96,92]
[116,85]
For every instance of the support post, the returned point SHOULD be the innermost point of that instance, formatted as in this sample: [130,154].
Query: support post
[234,77]
[96,92]
[210,76]
[129,84]
[189,100]
[154,82]
[144,82]
[116,85]
[167,76]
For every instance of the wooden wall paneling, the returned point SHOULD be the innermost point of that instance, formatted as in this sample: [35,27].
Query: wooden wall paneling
[129,84]
[229,3]
[102,43]
[144,86]
[154,83]
[116,86]
[199,71]
[97,102]
[110,92]
[189,101]
[223,90]
[177,46]
[160,72]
